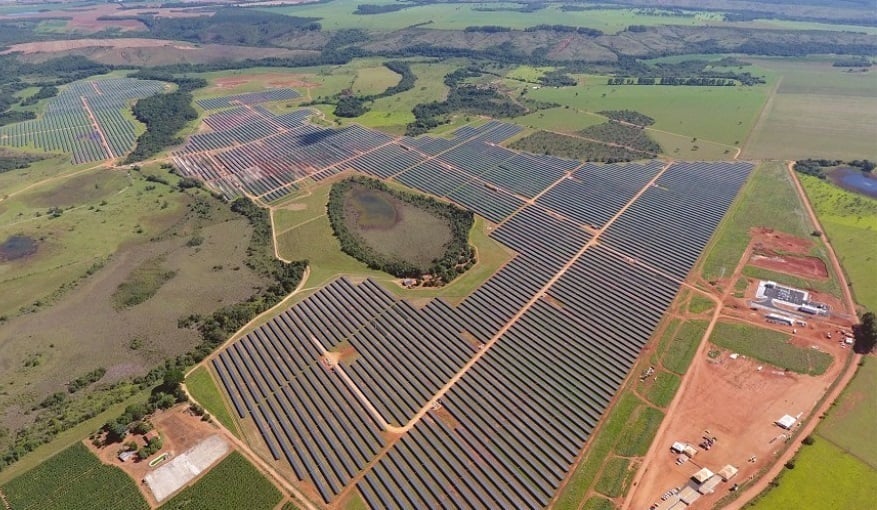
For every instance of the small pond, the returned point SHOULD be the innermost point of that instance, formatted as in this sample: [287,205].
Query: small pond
[853,179]
[17,247]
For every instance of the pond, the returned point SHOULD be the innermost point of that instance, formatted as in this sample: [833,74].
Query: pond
[372,209]
[853,179]
[17,247]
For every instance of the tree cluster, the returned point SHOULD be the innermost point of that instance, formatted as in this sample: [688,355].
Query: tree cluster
[865,334]
[590,32]
[10,160]
[816,167]
[555,144]
[85,380]
[457,257]
[557,79]
[629,116]
[229,25]
[632,137]
[465,98]
[487,29]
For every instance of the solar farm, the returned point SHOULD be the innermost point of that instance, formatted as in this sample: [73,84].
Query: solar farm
[482,405]
[85,120]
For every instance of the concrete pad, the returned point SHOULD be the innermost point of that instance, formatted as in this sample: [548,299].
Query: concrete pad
[182,469]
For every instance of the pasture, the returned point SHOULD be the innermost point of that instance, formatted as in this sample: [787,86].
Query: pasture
[110,224]
[850,423]
[850,222]
[825,478]
[720,116]
[771,347]
[73,480]
[233,483]
[815,99]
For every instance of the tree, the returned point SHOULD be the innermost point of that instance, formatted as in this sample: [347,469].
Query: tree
[116,431]
[172,379]
[866,334]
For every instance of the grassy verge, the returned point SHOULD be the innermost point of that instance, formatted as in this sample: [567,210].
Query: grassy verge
[682,345]
[769,200]
[203,389]
[233,483]
[72,480]
[770,347]
[616,474]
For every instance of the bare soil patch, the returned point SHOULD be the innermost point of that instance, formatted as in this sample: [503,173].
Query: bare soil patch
[805,267]
[270,79]
[737,401]
[768,239]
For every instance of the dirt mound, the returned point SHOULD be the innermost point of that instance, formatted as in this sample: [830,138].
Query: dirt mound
[809,268]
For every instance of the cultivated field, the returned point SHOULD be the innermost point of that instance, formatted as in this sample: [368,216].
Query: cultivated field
[72,480]
[818,111]
[233,483]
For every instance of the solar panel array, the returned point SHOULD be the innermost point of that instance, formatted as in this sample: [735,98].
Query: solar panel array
[251,98]
[67,127]
[562,324]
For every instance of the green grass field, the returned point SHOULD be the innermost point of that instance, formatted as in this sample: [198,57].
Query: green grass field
[815,99]
[613,480]
[304,232]
[767,200]
[682,345]
[770,347]
[851,422]
[72,480]
[233,483]
[850,222]
[677,110]
[660,388]
[825,478]
[203,389]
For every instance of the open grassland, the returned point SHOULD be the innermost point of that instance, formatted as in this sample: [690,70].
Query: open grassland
[392,113]
[303,232]
[767,200]
[202,388]
[374,80]
[818,111]
[61,319]
[709,114]
[458,16]
[825,478]
[770,347]
[851,423]
[72,480]
[565,120]
[850,222]
[233,483]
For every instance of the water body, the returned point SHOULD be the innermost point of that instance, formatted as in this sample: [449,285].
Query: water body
[853,179]
[17,247]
